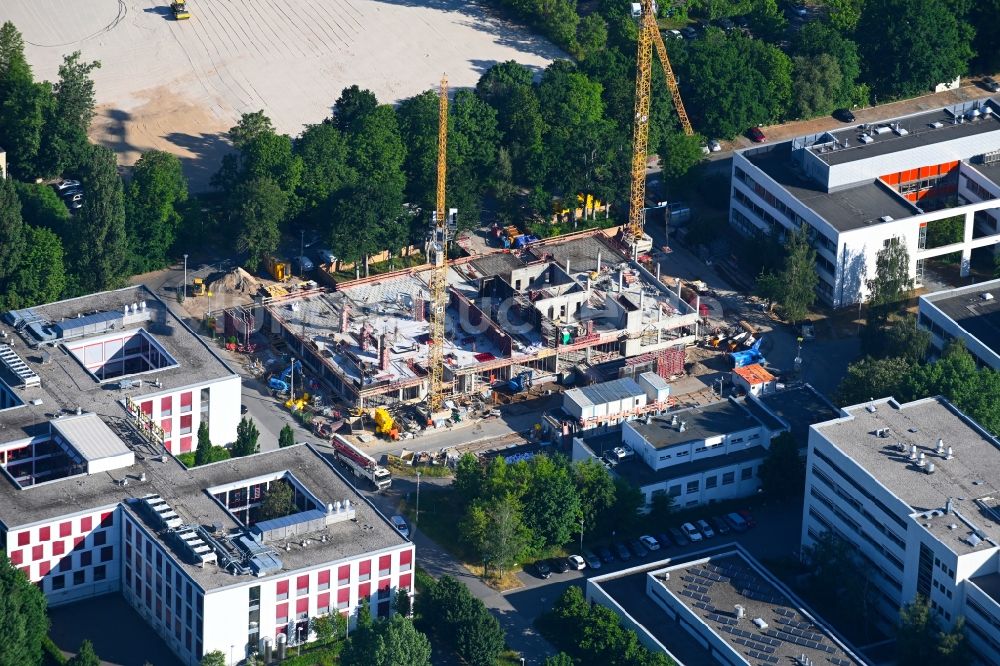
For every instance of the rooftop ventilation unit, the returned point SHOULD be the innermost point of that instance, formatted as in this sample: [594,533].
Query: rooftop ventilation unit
[986,296]
[25,375]
[864,138]
[885,218]
[937,124]
[161,511]
[193,546]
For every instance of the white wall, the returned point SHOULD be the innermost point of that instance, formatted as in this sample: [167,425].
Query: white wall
[678,454]
[739,487]
[224,416]
[949,327]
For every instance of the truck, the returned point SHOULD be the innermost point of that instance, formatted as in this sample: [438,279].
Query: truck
[360,463]
[279,270]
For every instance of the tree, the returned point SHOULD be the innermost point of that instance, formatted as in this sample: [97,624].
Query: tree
[661,507]
[64,141]
[323,151]
[12,60]
[591,35]
[561,659]
[24,105]
[324,628]
[816,85]
[983,16]
[900,338]
[12,242]
[259,214]
[928,42]
[506,538]
[872,378]
[842,585]
[157,188]
[278,502]
[468,480]
[22,617]
[596,490]
[678,153]
[891,285]
[391,642]
[286,437]
[214,658]
[845,14]
[364,615]
[403,604]
[946,231]
[783,472]
[98,242]
[250,127]
[85,656]
[552,505]
[353,105]
[816,39]
[916,626]
[625,512]
[203,452]
[952,646]
[41,277]
[247,435]
[41,207]
[480,641]
[794,287]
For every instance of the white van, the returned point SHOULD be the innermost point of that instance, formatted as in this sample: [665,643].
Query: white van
[737,521]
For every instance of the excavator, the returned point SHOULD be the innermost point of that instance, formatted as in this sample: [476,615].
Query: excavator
[180,10]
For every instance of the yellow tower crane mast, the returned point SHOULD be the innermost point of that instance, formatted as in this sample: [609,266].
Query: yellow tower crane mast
[649,34]
[437,250]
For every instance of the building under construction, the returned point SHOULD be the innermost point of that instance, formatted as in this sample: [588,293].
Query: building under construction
[553,309]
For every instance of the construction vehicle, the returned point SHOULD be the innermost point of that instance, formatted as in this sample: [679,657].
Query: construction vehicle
[180,10]
[384,423]
[279,270]
[748,356]
[360,463]
[284,382]
[198,287]
[520,382]
[649,34]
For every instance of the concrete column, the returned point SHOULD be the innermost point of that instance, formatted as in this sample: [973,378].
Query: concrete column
[966,241]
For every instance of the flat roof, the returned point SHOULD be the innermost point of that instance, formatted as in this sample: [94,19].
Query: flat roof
[640,474]
[604,392]
[708,589]
[977,316]
[66,385]
[973,473]
[712,420]
[185,491]
[797,407]
[919,132]
[90,436]
[991,171]
[989,584]
[846,210]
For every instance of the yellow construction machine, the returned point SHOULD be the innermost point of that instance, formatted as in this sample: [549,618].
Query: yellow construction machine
[384,423]
[198,287]
[180,10]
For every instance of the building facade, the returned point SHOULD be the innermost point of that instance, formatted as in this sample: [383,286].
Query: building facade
[854,190]
[970,314]
[913,488]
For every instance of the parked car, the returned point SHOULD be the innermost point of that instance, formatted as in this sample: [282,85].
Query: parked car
[756,135]
[673,34]
[324,256]
[70,192]
[737,522]
[720,525]
[691,532]
[65,184]
[705,529]
[639,550]
[592,560]
[714,146]
[665,540]
[542,569]
[304,264]
[623,552]
[725,24]
[243,409]
[606,555]
[649,542]
[747,516]
[400,524]
[844,115]
[678,536]
[991,84]
[689,33]
[576,563]
[560,565]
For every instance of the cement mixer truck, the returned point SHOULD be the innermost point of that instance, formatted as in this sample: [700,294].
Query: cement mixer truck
[360,463]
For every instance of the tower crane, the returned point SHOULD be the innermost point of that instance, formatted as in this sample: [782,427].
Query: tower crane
[649,35]
[437,252]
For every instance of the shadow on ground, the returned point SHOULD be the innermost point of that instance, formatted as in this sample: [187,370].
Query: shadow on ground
[206,153]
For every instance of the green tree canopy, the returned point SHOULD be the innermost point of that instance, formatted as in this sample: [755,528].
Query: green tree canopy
[153,195]
[247,435]
[98,241]
[891,286]
[391,642]
[259,213]
[214,658]
[871,378]
[64,141]
[41,207]
[323,150]
[286,437]
[41,277]
[351,108]
[783,472]
[279,500]
[203,451]
[22,617]
[12,240]
[85,656]
[794,286]
[928,42]
[817,38]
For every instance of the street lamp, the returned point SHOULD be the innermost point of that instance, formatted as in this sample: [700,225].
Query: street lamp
[581,534]
[298,638]
[231,647]
[416,519]
[184,286]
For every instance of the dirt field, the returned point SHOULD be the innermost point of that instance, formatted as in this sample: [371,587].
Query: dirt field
[177,86]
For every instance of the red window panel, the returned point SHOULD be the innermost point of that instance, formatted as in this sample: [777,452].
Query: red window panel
[404,581]
[166,404]
[302,585]
[323,601]
[186,402]
[43,569]
[282,587]
[365,568]
[406,557]
[65,529]
[86,524]
[384,563]
[107,518]
[186,423]
[147,408]
[185,444]
[58,547]
[324,577]
[77,541]
[281,612]
[166,424]
[343,595]
[302,605]
[45,533]
[16,557]
[384,584]
[364,590]
[38,552]
[24,538]
[344,574]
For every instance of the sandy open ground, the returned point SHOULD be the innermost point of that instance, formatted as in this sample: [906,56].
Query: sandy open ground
[177,86]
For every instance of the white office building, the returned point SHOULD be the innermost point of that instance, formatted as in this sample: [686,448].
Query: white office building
[915,488]
[970,314]
[854,189]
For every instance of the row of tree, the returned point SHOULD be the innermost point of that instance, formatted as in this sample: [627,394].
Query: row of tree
[449,613]
[516,511]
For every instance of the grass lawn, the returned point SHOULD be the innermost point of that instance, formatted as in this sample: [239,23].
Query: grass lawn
[399,468]
[394,264]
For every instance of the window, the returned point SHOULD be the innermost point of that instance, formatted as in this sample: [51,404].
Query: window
[37,552]
[324,580]
[692,487]
[344,575]
[675,491]
[65,529]
[100,537]
[16,557]
[58,582]
[281,614]
[301,609]
[383,590]
[58,547]
[167,405]
[24,538]
[185,402]
[45,533]
[107,553]
[203,407]
[728,477]
[404,582]
[384,565]
[44,568]
[186,424]
[302,585]
[282,591]
[185,444]
[406,560]
[80,577]
[343,598]
[100,572]
[323,604]
[86,524]
[365,571]
[711,481]
[746,473]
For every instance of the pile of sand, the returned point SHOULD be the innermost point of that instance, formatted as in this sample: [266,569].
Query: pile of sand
[236,281]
